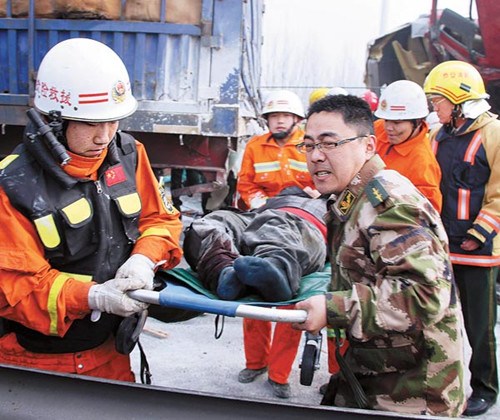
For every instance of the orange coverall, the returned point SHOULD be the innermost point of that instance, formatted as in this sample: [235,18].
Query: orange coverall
[266,169]
[28,281]
[413,159]
[279,354]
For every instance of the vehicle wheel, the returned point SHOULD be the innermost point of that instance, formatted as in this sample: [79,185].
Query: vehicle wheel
[307,364]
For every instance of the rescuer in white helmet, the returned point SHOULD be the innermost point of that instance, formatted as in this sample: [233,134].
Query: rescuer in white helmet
[83,218]
[402,137]
[271,163]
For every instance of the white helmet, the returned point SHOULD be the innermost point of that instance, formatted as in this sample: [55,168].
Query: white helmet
[338,91]
[86,81]
[402,100]
[283,101]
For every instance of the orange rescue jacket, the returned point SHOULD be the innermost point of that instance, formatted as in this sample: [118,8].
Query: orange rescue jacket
[42,298]
[413,159]
[267,168]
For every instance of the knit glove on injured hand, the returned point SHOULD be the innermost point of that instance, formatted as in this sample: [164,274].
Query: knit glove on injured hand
[138,266]
[111,297]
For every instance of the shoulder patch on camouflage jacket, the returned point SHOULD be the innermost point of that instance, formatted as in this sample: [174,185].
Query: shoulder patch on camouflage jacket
[376,192]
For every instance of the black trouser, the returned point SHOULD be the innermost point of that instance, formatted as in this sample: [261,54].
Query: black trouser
[477,295]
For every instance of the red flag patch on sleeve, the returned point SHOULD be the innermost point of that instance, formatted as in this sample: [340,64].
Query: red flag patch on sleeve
[114,175]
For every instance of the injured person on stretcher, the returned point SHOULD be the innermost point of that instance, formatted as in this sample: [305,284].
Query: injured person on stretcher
[265,251]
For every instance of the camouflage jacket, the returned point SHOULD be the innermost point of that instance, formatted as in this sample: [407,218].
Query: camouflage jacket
[393,292]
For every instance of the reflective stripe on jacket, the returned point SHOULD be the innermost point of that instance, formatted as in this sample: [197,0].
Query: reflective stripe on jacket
[267,168]
[470,164]
[34,292]
[74,221]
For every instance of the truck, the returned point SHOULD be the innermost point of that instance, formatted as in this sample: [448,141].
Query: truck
[194,67]
[412,50]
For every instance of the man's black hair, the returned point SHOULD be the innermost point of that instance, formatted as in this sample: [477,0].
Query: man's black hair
[355,111]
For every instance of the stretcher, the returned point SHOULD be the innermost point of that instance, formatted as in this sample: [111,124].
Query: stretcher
[180,288]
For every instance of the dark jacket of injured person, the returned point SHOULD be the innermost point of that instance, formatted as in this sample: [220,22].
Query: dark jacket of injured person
[264,251]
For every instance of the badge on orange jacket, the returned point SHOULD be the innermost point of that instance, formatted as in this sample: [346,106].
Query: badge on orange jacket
[167,201]
[114,175]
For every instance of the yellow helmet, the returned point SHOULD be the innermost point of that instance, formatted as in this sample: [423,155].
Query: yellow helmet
[457,81]
[318,94]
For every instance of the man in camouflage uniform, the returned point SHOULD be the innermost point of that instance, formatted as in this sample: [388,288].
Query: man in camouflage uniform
[392,285]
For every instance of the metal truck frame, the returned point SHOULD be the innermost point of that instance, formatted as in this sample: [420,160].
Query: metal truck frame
[412,50]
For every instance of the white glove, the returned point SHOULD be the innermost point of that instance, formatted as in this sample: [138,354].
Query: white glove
[111,297]
[257,202]
[138,266]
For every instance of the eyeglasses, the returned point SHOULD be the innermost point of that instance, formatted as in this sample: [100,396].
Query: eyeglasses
[325,146]
[436,101]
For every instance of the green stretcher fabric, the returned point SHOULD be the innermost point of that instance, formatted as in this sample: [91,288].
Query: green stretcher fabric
[310,285]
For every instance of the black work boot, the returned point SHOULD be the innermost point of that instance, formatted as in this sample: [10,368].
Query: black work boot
[477,406]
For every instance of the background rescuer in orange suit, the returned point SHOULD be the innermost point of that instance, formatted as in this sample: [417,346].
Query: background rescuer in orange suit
[77,237]
[402,138]
[271,162]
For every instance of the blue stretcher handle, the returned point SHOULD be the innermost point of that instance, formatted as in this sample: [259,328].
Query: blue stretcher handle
[180,297]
